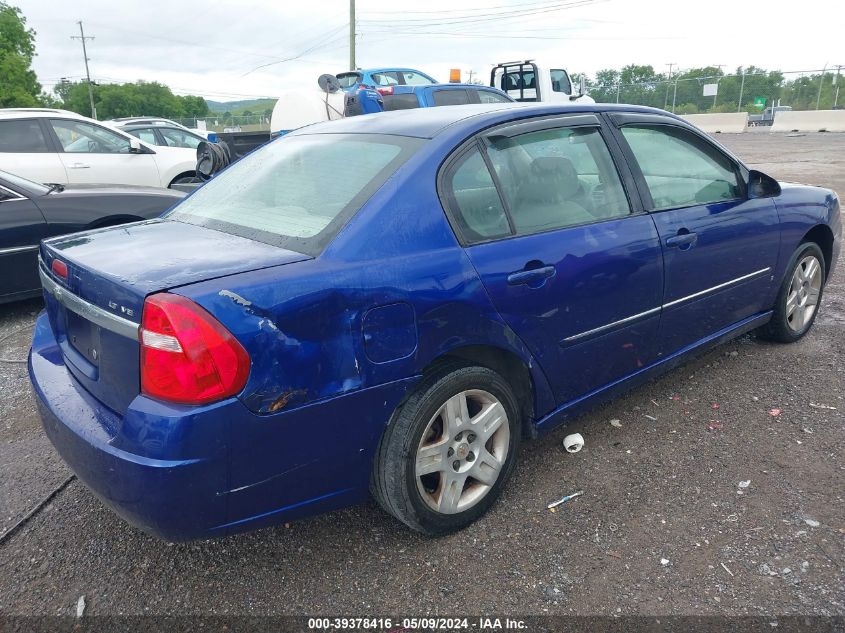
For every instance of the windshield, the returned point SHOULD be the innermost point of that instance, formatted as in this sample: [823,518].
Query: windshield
[298,191]
[23,183]
[347,80]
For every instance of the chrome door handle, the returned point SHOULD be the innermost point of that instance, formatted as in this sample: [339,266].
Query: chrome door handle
[79,166]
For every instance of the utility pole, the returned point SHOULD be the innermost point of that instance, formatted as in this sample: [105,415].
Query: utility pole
[668,81]
[82,37]
[618,85]
[718,77]
[470,73]
[352,35]
[836,83]
[821,82]
[741,90]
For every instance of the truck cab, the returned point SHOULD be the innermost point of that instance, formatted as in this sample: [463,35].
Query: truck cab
[528,81]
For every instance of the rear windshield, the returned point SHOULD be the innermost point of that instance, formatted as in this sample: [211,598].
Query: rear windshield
[298,191]
[347,80]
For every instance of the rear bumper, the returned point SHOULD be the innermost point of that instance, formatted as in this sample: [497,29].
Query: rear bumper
[175,499]
[184,473]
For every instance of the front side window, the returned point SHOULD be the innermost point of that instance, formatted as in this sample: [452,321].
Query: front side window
[179,138]
[560,81]
[415,79]
[405,101]
[451,97]
[556,178]
[680,169]
[78,137]
[298,191]
[22,136]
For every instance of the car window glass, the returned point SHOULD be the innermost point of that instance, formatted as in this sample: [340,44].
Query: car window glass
[415,79]
[347,80]
[5,194]
[80,137]
[386,79]
[450,97]
[147,135]
[297,191]
[474,201]
[179,138]
[557,178]
[405,101]
[560,81]
[22,136]
[488,96]
[679,169]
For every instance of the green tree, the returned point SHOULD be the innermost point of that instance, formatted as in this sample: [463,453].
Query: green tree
[19,86]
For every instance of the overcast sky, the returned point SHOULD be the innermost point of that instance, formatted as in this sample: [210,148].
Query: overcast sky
[216,48]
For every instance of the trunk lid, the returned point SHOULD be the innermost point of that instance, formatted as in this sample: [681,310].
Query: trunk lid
[95,313]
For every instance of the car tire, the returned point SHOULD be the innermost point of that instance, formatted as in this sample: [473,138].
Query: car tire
[448,450]
[799,297]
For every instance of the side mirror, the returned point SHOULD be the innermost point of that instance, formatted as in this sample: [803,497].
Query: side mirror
[582,85]
[762,186]
[135,146]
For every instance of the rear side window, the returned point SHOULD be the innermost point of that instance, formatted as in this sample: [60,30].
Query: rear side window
[147,135]
[389,78]
[23,136]
[410,78]
[679,168]
[474,200]
[556,178]
[405,101]
[298,191]
[450,97]
[179,138]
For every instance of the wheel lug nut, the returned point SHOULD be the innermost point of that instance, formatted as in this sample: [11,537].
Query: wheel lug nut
[471,457]
[471,437]
[450,452]
[459,436]
[456,464]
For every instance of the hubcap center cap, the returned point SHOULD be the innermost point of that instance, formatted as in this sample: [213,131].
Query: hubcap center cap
[462,451]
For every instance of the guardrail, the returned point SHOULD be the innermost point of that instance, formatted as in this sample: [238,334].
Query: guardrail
[719,123]
[810,121]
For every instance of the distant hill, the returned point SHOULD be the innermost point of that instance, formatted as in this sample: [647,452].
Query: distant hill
[238,107]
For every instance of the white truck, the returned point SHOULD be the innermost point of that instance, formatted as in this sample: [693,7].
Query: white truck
[529,81]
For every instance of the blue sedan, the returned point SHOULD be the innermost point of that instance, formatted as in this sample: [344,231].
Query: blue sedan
[388,305]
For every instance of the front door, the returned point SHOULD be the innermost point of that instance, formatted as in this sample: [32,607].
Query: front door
[22,227]
[94,154]
[569,263]
[720,247]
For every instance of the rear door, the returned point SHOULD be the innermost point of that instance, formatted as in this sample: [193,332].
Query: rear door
[719,246]
[570,262]
[94,154]
[27,150]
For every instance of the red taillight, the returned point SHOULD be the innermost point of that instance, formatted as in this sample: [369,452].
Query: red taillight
[187,356]
[59,268]
[385,91]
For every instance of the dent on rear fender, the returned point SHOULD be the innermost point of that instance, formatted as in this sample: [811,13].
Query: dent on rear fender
[308,355]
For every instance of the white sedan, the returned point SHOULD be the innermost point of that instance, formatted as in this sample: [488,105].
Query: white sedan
[57,146]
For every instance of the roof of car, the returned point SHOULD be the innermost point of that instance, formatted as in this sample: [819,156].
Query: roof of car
[429,122]
[29,113]
[445,86]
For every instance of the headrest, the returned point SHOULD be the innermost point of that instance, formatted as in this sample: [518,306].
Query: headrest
[553,179]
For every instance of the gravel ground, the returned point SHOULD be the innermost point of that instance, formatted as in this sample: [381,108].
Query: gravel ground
[665,525]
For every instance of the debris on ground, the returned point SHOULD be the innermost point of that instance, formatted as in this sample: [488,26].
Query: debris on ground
[822,406]
[616,423]
[745,484]
[714,425]
[562,500]
[811,522]
[80,606]
[664,561]
[650,417]
[573,443]
[725,567]
[774,412]
[715,405]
